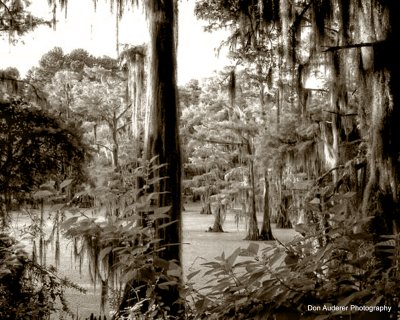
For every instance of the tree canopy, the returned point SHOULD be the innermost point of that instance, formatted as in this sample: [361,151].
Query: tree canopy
[16,21]
[36,147]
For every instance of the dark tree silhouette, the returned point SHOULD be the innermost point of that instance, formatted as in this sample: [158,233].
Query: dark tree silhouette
[34,146]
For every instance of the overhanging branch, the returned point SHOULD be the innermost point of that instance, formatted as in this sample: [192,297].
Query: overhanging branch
[36,91]
[123,112]
[352,46]
[231,143]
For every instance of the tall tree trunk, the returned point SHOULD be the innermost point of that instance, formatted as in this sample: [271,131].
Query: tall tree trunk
[338,105]
[135,61]
[95,136]
[5,207]
[266,232]
[253,233]
[283,220]
[161,140]
[117,17]
[115,147]
[278,95]
[162,131]
[205,205]
[381,195]
[217,227]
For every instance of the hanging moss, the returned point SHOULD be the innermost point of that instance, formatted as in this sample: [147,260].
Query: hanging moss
[323,15]
[346,11]
[232,87]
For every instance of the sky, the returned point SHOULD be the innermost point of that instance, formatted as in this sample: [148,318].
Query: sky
[95,32]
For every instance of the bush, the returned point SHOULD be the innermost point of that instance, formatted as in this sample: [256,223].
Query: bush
[286,279]
[27,289]
[122,249]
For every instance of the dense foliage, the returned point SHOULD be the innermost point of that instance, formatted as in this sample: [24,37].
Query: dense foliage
[16,21]
[122,248]
[29,290]
[302,127]
[284,279]
[35,147]
[333,153]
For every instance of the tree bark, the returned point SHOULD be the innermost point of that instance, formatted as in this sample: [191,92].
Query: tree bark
[206,207]
[217,227]
[162,141]
[283,219]
[382,100]
[381,194]
[135,61]
[162,131]
[266,232]
[5,207]
[115,148]
[253,233]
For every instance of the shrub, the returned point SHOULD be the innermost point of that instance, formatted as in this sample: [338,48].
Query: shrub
[27,289]
[121,247]
[285,279]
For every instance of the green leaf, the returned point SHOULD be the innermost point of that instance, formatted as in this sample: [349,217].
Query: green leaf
[374,301]
[174,273]
[192,274]
[69,222]
[387,244]
[231,259]
[301,228]
[256,276]
[253,248]
[202,303]
[390,236]
[153,159]
[322,252]
[65,183]
[211,264]
[167,285]
[323,317]
[160,213]
[207,273]
[48,185]
[161,263]
[360,262]
[41,194]
[103,252]
[155,180]
[355,295]
[164,225]
[131,274]
[349,194]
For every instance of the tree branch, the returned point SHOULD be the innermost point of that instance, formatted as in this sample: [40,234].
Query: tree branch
[2,78]
[7,8]
[231,143]
[341,114]
[351,46]
[319,180]
[125,110]
[102,145]
[123,126]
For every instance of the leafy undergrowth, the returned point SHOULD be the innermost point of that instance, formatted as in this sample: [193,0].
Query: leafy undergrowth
[199,246]
[29,290]
[282,280]
[229,278]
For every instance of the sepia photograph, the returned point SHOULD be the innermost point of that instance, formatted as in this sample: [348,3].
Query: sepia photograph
[199,160]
